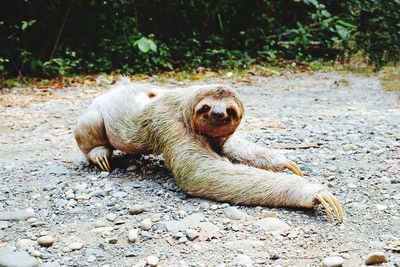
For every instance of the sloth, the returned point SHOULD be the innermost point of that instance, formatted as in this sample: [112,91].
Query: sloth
[194,128]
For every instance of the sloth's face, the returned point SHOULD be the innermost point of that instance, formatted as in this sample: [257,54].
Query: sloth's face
[217,117]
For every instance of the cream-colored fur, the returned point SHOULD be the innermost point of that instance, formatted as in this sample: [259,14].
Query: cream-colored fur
[238,171]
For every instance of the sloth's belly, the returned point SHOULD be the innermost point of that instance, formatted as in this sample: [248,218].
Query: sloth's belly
[124,144]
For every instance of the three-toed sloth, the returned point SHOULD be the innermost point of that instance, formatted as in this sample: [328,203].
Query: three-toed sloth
[194,129]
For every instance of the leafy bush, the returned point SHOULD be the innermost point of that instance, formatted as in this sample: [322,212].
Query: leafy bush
[153,35]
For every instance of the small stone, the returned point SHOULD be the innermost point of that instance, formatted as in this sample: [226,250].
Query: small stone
[133,235]
[45,241]
[100,223]
[272,224]
[111,217]
[136,209]
[9,258]
[152,260]
[375,258]
[17,215]
[146,224]
[192,234]
[274,255]
[75,246]
[36,254]
[104,174]
[214,207]
[268,214]
[242,260]
[91,258]
[3,225]
[333,261]
[234,213]
[191,221]
[113,240]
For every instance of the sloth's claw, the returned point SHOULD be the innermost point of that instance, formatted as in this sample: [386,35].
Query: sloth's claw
[294,168]
[103,163]
[331,205]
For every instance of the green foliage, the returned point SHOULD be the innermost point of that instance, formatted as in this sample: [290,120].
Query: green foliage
[153,35]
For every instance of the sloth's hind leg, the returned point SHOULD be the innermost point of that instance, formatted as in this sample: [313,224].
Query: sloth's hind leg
[92,140]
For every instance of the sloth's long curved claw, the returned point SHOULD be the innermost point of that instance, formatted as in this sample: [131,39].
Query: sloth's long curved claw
[103,163]
[331,205]
[294,168]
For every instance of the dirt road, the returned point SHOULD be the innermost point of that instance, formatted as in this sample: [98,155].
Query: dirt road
[343,131]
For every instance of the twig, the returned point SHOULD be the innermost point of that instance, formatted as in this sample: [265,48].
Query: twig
[299,146]
[61,29]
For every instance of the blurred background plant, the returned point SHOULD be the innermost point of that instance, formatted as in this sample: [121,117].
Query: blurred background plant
[67,37]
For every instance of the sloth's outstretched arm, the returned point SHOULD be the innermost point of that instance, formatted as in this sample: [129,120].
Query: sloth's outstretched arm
[201,172]
[239,150]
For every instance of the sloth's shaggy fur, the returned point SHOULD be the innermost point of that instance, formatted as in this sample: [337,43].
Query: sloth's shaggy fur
[202,151]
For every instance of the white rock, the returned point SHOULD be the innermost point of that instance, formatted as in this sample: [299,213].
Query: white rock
[333,261]
[111,217]
[234,213]
[242,260]
[45,241]
[146,224]
[272,224]
[192,234]
[75,246]
[133,235]
[136,209]
[152,260]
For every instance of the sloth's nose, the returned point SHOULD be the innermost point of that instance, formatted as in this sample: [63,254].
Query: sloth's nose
[218,112]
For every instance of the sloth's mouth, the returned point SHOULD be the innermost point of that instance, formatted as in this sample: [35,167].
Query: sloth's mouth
[219,122]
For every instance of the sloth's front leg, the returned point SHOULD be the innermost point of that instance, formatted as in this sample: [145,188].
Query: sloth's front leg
[239,150]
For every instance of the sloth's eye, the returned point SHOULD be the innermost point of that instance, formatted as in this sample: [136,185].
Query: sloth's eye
[205,108]
[231,112]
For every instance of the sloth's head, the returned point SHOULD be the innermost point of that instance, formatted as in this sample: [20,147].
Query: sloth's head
[217,111]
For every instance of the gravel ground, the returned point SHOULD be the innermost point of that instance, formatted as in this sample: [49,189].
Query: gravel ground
[342,130]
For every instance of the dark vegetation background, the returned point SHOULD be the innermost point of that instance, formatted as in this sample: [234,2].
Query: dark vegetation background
[155,35]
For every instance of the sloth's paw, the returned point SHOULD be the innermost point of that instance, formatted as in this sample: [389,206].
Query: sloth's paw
[103,163]
[330,204]
[290,165]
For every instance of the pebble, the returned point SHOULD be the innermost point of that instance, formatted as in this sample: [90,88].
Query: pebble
[146,224]
[17,215]
[191,234]
[100,223]
[332,261]
[272,224]
[242,260]
[375,258]
[234,213]
[136,209]
[152,260]
[113,240]
[111,217]
[11,258]
[191,221]
[75,246]
[133,235]
[45,241]
[3,225]
[268,214]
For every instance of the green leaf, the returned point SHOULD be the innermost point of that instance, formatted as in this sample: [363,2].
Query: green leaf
[145,45]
